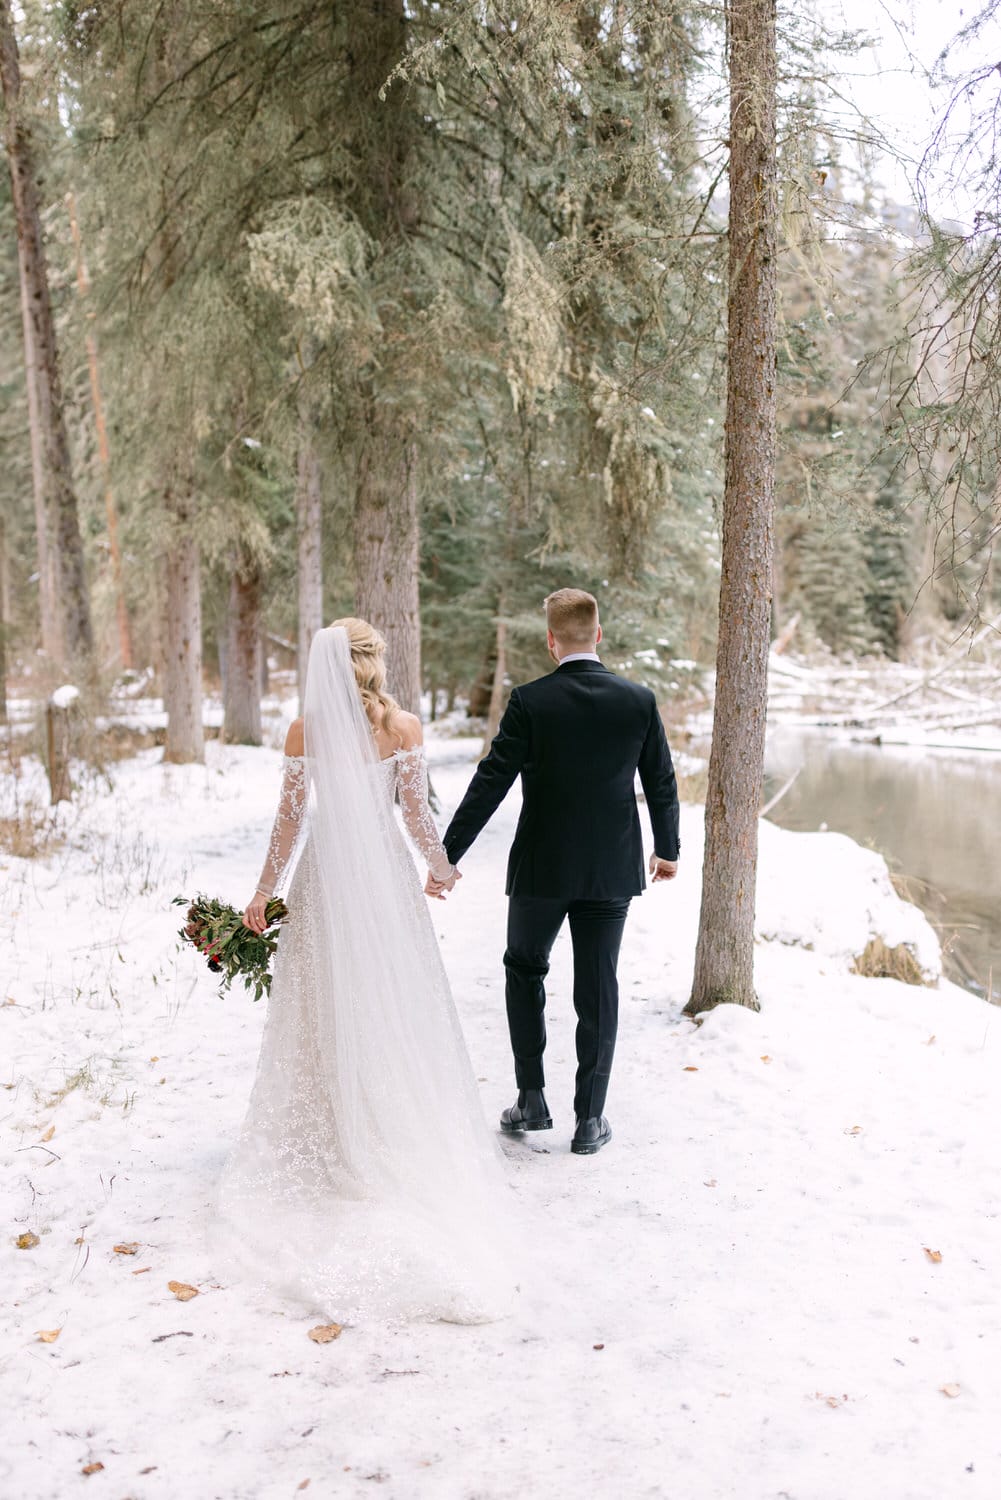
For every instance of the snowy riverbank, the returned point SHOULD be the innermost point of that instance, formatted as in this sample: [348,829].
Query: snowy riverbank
[948,700]
[739,1300]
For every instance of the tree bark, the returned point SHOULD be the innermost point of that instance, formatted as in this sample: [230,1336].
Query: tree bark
[182,688]
[241,723]
[497,687]
[386,200]
[103,452]
[57,747]
[724,960]
[48,558]
[309,565]
[3,620]
[386,548]
[67,635]
[478,704]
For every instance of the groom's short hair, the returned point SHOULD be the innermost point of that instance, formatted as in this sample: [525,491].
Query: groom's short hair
[572,616]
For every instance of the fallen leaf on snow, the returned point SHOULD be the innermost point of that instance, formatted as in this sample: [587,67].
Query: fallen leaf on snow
[930,1040]
[709,1182]
[49,1133]
[950,1388]
[48,1335]
[27,1240]
[933,1255]
[597,1346]
[325,1333]
[765,1057]
[854,1130]
[690,1069]
[92,1468]
[129,1248]
[142,1270]
[182,1291]
[303,1485]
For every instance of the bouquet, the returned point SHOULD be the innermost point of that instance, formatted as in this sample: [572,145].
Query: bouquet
[232,950]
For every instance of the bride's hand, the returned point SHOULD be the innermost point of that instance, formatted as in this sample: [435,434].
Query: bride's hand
[436,888]
[254,917]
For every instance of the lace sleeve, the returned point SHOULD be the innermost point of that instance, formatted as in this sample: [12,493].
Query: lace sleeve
[286,826]
[412,784]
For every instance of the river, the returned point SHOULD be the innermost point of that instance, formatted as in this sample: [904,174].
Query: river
[935,815]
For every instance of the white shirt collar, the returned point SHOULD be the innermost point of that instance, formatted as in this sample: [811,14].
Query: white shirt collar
[580,656]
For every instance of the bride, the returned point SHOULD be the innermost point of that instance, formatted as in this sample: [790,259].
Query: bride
[363,1181]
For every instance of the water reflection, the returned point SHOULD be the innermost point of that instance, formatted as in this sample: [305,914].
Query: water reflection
[934,815]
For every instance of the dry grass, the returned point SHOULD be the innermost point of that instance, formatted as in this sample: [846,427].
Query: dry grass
[30,831]
[692,785]
[882,962]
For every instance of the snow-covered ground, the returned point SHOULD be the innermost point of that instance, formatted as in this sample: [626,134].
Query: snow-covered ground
[781,1279]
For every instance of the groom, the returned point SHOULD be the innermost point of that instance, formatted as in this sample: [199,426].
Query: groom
[577,738]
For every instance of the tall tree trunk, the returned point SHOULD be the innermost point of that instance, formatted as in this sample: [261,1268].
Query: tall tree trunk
[66,616]
[724,959]
[3,620]
[478,703]
[182,688]
[309,563]
[386,526]
[182,685]
[386,544]
[500,673]
[48,557]
[241,723]
[103,452]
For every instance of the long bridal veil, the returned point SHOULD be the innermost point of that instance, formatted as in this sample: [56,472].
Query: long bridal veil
[364,1179]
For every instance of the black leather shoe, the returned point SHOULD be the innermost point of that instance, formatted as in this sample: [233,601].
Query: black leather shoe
[530,1113]
[590,1135]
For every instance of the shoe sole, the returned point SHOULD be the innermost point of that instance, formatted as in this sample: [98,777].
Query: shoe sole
[526,1125]
[590,1148]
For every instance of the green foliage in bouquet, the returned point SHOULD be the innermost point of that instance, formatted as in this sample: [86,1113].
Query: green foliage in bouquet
[232,950]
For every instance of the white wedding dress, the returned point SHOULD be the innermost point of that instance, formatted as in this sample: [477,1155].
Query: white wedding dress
[364,1181]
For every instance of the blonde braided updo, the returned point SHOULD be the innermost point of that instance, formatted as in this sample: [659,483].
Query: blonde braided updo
[368,658]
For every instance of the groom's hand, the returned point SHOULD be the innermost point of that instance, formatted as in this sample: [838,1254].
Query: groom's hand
[662,869]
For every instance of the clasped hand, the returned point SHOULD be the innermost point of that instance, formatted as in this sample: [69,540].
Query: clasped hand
[662,869]
[437,888]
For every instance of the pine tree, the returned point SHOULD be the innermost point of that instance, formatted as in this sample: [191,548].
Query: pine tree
[65,604]
[724,958]
[833,584]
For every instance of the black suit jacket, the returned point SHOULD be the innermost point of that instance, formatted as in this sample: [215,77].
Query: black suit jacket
[577,739]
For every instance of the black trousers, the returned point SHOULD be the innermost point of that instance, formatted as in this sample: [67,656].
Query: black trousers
[596,933]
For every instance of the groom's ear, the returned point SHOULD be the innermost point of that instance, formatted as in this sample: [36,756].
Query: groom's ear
[597,639]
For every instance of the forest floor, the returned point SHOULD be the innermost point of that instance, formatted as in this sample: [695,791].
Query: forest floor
[781,1281]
